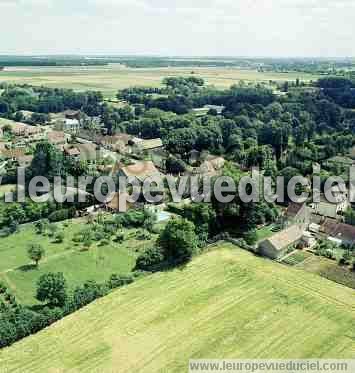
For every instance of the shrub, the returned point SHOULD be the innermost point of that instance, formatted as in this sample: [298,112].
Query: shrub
[117,281]
[329,254]
[3,288]
[131,219]
[59,237]
[104,242]
[251,237]
[119,237]
[143,235]
[88,293]
[98,234]
[41,226]
[13,226]
[346,257]
[52,229]
[7,295]
[52,314]
[8,333]
[62,214]
[11,299]
[87,243]
[149,258]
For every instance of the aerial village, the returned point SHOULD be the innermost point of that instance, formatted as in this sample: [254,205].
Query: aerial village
[82,139]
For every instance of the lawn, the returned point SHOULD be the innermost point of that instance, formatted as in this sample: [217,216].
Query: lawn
[113,77]
[78,266]
[13,249]
[265,232]
[226,303]
[297,257]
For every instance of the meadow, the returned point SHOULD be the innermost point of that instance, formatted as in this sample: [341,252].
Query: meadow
[98,263]
[226,303]
[109,79]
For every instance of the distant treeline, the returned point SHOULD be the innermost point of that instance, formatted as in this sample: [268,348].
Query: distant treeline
[135,62]
[146,62]
[320,66]
[44,62]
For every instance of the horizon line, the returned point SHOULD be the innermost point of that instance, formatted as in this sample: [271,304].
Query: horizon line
[152,55]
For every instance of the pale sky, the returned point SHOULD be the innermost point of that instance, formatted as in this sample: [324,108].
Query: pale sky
[302,28]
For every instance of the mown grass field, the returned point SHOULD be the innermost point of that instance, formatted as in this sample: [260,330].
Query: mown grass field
[109,79]
[98,263]
[226,303]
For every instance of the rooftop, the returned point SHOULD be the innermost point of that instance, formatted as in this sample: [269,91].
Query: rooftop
[286,237]
[338,230]
[13,153]
[71,122]
[56,137]
[293,209]
[72,151]
[141,170]
[151,144]
[88,152]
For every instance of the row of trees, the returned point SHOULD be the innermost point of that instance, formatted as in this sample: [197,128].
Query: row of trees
[47,100]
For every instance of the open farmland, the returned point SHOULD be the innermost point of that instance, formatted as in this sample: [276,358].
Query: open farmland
[110,78]
[226,303]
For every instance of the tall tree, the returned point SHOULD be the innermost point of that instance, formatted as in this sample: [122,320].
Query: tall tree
[35,252]
[178,240]
[52,288]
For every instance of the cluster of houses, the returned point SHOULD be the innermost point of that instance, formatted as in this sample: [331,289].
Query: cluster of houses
[118,155]
[305,224]
[14,149]
[66,132]
[304,227]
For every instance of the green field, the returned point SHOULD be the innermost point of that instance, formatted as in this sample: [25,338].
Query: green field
[78,266]
[109,79]
[227,303]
